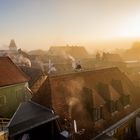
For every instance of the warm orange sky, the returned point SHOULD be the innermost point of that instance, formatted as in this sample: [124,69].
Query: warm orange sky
[41,23]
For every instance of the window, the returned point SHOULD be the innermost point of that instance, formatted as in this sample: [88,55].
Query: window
[98,113]
[2,100]
[114,106]
[126,100]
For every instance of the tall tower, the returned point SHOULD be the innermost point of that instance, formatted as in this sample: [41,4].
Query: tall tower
[12,45]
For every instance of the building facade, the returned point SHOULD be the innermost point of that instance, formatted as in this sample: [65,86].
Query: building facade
[96,100]
[13,87]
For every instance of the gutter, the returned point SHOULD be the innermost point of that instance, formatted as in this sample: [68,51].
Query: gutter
[7,86]
[119,123]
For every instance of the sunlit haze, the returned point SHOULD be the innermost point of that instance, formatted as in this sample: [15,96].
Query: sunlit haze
[40,24]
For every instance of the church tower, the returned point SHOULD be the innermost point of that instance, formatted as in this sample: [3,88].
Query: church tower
[12,45]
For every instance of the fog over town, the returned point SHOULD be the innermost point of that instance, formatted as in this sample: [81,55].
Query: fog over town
[70,70]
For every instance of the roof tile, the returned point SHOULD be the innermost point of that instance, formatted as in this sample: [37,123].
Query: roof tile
[10,74]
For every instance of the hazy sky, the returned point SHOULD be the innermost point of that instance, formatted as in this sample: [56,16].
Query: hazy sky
[41,23]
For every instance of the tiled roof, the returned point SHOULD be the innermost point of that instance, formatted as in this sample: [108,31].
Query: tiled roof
[123,87]
[97,99]
[72,84]
[28,116]
[33,73]
[126,90]
[72,95]
[10,74]
[108,92]
[111,57]
[114,95]
[75,51]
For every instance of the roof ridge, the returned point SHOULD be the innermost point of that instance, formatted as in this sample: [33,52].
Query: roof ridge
[10,69]
[41,106]
[114,91]
[14,114]
[18,68]
[84,71]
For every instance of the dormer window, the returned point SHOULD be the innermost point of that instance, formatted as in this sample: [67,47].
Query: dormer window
[126,100]
[98,113]
[114,106]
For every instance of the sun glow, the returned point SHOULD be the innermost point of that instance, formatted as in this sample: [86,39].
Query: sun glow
[130,28]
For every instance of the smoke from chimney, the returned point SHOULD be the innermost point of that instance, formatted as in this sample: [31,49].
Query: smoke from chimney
[25,61]
[74,87]
[40,64]
[21,60]
[51,67]
[75,64]
[75,101]
[73,61]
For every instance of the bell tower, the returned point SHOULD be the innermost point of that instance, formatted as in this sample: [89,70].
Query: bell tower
[12,45]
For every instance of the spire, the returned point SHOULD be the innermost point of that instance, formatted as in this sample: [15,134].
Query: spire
[12,45]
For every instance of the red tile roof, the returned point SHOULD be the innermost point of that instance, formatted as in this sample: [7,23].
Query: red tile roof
[62,86]
[65,94]
[126,90]
[10,74]
[114,95]
[97,99]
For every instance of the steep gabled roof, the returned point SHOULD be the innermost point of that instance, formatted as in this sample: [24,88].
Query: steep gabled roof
[29,115]
[75,51]
[126,90]
[73,82]
[108,92]
[97,99]
[58,89]
[10,74]
[33,73]
[114,95]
